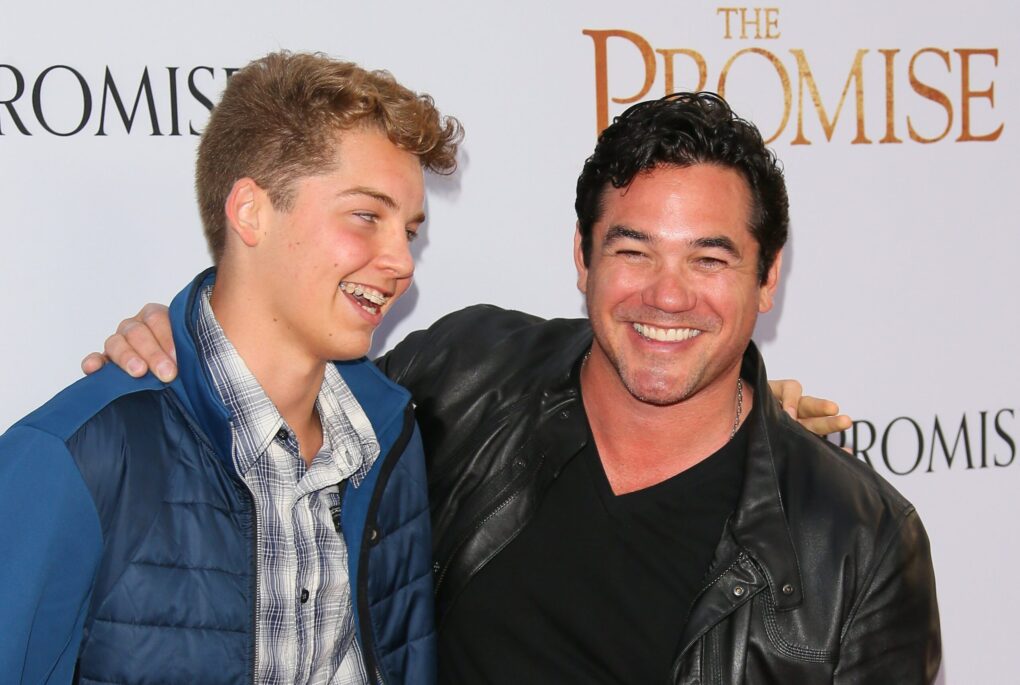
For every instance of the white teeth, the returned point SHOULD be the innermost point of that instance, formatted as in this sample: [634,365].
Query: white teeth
[365,292]
[666,334]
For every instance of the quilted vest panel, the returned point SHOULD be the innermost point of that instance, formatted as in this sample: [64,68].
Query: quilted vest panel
[172,600]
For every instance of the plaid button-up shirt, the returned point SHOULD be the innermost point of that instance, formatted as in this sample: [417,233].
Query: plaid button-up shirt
[305,629]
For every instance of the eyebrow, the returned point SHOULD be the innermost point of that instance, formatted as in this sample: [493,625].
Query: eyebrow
[381,197]
[619,232]
[720,241]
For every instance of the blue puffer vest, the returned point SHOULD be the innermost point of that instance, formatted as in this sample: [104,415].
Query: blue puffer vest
[164,533]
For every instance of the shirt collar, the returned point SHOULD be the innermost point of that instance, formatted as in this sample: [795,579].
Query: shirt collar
[256,420]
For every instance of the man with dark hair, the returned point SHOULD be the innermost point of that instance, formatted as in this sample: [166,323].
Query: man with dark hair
[264,517]
[620,499]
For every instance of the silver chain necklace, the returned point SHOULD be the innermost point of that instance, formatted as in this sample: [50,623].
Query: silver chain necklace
[740,406]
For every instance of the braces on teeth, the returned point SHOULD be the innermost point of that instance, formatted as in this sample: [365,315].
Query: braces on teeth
[363,291]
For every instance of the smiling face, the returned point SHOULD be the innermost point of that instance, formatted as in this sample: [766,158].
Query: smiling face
[321,275]
[672,285]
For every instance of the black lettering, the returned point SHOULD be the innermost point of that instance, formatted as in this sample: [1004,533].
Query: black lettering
[86,97]
[940,438]
[230,71]
[110,87]
[175,128]
[859,451]
[984,439]
[885,445]
[19,90]
[1006,437]
[198,95]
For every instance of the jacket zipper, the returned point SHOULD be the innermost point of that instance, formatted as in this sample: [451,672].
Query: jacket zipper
[741,557]
[389,462]
[463,541]
[442,570]
[255,586]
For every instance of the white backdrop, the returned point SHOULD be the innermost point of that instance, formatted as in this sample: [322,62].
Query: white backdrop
[900,287]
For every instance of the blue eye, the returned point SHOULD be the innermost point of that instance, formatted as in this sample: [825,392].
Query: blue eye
[412,235]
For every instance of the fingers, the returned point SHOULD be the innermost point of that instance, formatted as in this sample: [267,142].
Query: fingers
[821,416]
[825,425]
[157,318]
[789,393]
[119,351]
[140,344]
[93,362]
[815,407]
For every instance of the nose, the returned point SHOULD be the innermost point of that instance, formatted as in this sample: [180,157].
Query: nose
[395,255]
[672,289]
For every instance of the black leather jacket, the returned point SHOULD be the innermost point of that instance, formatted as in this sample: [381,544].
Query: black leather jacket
[823,573]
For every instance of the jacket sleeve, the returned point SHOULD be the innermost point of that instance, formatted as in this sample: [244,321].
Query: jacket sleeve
[50,547]
[398,361]
[893,633]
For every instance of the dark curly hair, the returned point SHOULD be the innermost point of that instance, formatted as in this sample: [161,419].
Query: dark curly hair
[682,130]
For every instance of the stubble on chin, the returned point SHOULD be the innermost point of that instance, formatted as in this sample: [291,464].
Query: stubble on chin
[659,386]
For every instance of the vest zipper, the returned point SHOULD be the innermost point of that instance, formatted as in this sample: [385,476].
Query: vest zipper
[255,587]
[389,462]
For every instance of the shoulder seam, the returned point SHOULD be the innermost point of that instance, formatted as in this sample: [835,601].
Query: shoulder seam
[47,418]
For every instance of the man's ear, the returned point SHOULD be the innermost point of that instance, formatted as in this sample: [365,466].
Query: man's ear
[767,291]
[243,209]
[582,270]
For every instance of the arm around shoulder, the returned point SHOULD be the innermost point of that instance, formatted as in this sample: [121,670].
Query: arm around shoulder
[893,634]
[50,547]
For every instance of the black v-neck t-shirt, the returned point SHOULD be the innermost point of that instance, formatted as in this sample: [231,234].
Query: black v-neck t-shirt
[597,587]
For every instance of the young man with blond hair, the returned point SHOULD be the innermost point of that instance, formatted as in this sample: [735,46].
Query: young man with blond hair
[264,517]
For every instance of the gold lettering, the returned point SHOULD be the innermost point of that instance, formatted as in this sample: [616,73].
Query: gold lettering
[601,38]
[890,95]
[745,22]
[726,12]
[784,77]
[667,61]
[772,22]
[805,77]
[929,93]
[966,94]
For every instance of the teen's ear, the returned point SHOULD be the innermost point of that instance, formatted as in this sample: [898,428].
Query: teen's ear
[242,208]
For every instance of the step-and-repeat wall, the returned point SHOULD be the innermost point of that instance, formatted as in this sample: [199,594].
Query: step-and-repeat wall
[897,124]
